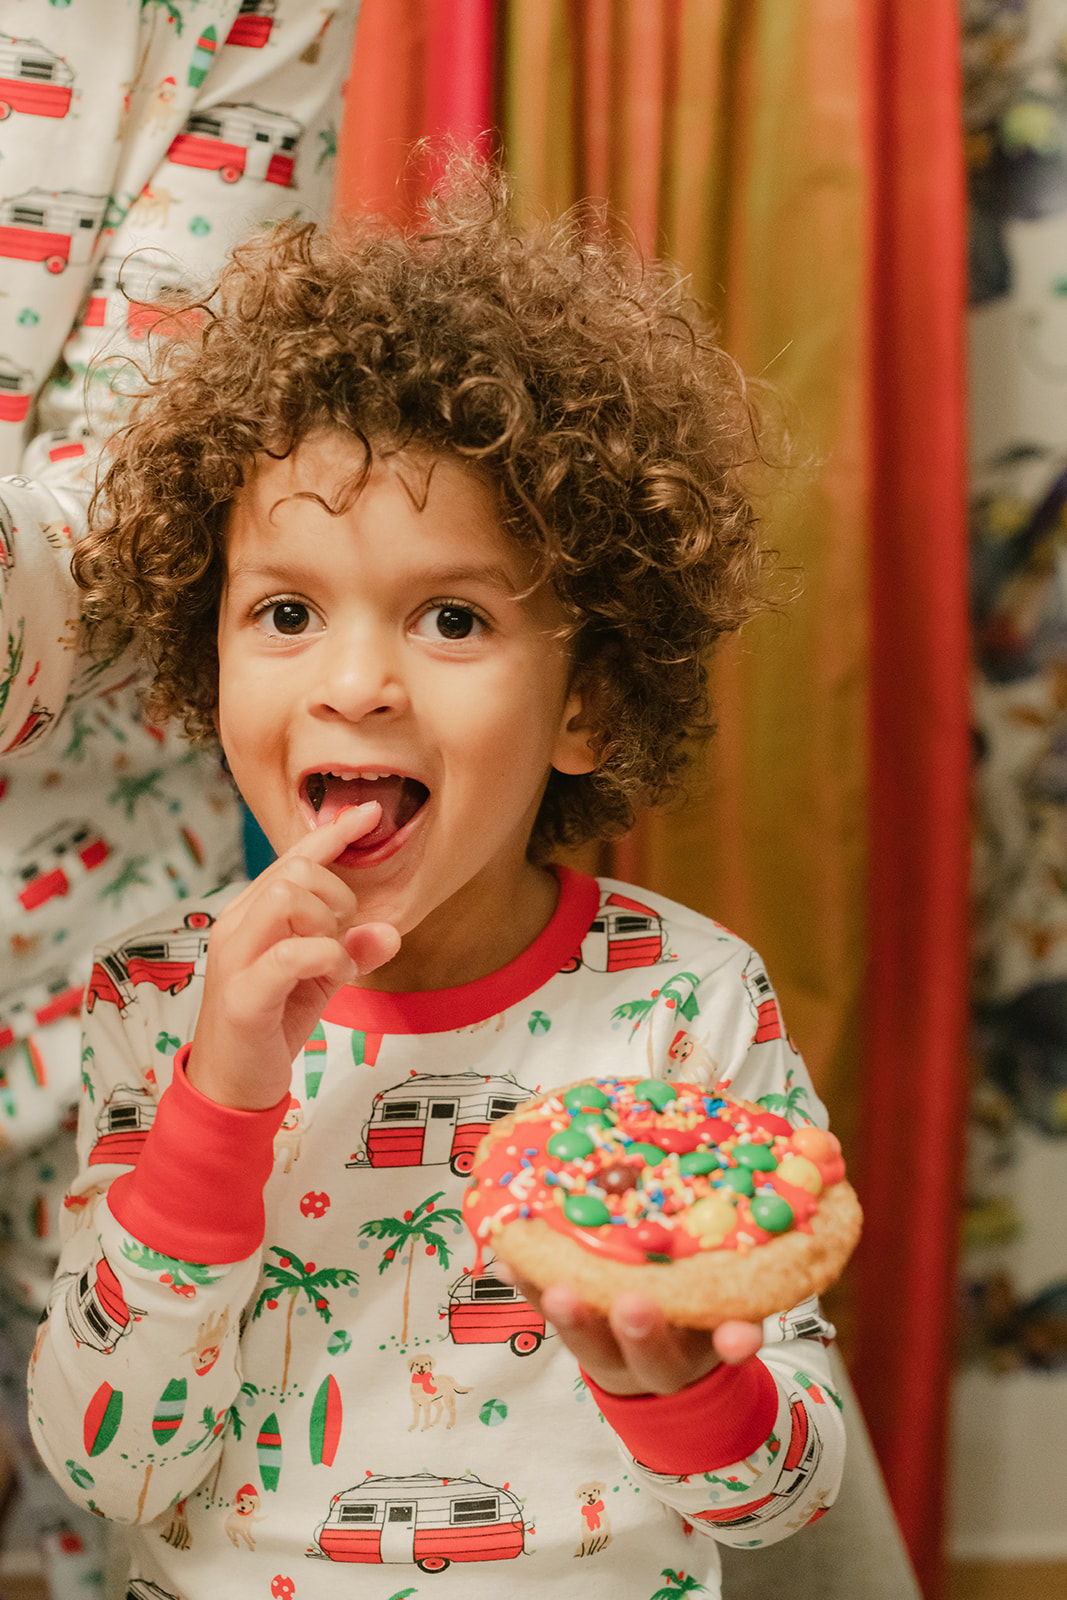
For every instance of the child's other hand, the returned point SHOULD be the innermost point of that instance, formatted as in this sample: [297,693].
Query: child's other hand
[278,952]
[634,1349]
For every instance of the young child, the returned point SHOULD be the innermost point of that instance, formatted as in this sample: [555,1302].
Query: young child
[433,531]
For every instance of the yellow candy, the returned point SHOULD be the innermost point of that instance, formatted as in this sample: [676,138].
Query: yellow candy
[710,1219]
[803,1173]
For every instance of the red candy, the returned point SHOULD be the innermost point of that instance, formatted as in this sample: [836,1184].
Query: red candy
[653,1238]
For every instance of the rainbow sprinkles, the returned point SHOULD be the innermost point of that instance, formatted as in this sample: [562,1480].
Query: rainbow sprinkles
[651,1174]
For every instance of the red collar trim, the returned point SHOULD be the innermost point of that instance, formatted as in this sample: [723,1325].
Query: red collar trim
[442,1010]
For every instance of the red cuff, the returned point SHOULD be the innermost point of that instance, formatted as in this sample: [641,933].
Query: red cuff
[720,1419]
[197,1189]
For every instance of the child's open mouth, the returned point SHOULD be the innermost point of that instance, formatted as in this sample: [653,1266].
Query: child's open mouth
[400,798]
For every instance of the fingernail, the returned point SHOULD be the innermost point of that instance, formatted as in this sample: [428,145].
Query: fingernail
[633,1322]
[632,1327]
[561,1316]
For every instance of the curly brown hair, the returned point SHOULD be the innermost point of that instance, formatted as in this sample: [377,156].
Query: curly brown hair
[581,378]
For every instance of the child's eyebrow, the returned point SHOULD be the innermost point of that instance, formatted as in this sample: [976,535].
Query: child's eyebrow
[456,576]
[444,577]
[258,572]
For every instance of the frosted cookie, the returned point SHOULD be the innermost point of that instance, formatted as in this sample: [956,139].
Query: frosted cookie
[713,1207]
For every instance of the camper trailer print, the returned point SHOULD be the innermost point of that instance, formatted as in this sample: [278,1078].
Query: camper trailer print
[482,1309]
[624,933]
[239,141]
[130,294]
[51,864]
[169,961]
[21,1012]
[252,24]
[803,1322]
[67,444]
[16,390]
[424,1520]
[122,1125]
[429,1121]
[33,79]
[764,1004]
[802,1457]
[58,227]
[96,1307]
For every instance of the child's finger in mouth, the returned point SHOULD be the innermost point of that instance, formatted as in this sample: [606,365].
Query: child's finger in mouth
[326,843]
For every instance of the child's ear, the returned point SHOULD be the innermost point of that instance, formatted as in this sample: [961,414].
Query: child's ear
[574,751]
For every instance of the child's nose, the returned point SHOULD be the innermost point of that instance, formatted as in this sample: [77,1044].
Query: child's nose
[360,676]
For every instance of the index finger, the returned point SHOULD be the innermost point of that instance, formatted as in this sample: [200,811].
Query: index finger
[323,845]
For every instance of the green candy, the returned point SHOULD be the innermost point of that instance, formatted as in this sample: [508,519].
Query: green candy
[756,1157]
[770,1211]
[586,1211]
[650,1154]
[585,1097]
[658,1094]
[739,1179]
[593,1119]
[570,1144]
[697,1162]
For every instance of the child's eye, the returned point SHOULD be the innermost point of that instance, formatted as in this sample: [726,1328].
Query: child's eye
[451,621]
[287,619]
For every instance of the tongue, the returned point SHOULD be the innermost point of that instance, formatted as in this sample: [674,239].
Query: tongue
[398,797]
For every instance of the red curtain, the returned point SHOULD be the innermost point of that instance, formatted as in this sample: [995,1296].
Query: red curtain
[422,69]
[915,1078]
[434,66]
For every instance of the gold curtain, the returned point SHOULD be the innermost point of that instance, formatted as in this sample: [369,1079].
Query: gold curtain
[731,135]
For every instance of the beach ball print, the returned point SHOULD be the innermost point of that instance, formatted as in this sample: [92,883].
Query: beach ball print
[314,1204]
[493,1413]
[282,1588]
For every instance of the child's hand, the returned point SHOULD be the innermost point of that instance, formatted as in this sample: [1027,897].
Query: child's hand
[635,1350]
[278,952]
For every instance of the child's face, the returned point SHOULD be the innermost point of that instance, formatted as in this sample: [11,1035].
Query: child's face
[389,653]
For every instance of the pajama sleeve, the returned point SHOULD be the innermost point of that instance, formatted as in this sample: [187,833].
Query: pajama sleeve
[135,1376]
[750,1453]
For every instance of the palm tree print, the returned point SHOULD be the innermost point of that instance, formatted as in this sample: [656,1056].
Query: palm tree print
[88,1058]
[416,1227]
[788,1104]
[15,650]
[678,994]
[184,1277]
[83,729]
[132,876]
[212,1422]
[678,1583]
[289,1275]
[173,13]
[235,1424]
[328,140]
[128,791]
[100,665]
